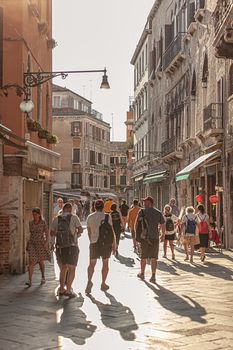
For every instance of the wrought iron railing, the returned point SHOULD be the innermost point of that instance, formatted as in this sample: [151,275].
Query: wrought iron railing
[175,47]
[169,146]
[213,117]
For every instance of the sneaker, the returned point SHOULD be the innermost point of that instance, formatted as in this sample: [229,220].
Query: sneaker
[89,287]
[141,276]
[104,287]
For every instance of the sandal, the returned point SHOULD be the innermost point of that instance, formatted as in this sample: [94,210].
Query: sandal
[104,287]
[42,280]
[141,276]
[70,294]
[89,287]
[152,279]
[28,284]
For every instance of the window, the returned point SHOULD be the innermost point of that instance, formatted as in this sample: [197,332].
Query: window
[39,103]
[91,180]
[123,180]
[100,158]
[76,128]
[112,180]
[103,134]
[105,181]
[92,157]
[76,180]
[123,160]
[76,155]
[231,81]
[112,160]
[205,71]
[47,106]
[56,101]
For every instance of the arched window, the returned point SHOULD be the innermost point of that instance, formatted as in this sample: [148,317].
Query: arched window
[231,81]
[205,71]
[194,84]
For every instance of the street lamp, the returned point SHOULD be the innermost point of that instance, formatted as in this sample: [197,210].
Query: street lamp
[33,79]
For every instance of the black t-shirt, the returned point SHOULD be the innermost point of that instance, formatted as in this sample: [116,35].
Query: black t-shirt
[124,209]
[154,218]
[116,221]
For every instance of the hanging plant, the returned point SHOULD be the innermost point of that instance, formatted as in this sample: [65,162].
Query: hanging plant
[43,134]
[33,125]
[53,139]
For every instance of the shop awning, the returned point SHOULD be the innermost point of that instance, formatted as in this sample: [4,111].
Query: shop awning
[156,177]
[184,174]
[139,178]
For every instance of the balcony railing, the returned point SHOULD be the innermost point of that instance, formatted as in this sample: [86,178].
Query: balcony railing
[221,12]
[176,47]
[213,117]
[169,146]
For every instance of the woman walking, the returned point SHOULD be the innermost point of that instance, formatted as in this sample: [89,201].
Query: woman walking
[204,229]
[38,245]
[189,227]
[170,235]
[117,224]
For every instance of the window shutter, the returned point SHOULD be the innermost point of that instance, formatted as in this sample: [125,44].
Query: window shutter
[1,46]
[168,34]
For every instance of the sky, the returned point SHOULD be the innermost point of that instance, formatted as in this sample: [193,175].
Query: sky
[93,34]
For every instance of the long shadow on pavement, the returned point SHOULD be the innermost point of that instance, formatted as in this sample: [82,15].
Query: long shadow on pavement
[174,303]
[117,316]
[73,323]
[129,262]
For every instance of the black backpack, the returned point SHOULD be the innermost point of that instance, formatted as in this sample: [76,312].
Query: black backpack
[64,237]
[141,228]
[169,224]
[105,239]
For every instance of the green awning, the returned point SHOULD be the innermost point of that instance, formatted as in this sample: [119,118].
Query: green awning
[184,174]
[157,177]
[182,177]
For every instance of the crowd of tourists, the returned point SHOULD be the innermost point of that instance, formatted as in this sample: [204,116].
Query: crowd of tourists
[106,223]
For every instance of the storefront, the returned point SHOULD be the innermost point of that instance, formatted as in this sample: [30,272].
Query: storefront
[157,186]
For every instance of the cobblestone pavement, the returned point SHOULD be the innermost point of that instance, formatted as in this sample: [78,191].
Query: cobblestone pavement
[190,307]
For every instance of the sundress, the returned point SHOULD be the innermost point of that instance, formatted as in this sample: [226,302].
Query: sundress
[36,248]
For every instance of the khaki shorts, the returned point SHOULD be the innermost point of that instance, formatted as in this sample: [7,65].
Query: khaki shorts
[190,239]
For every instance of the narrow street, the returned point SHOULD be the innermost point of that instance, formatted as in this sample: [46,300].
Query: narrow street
[189,308]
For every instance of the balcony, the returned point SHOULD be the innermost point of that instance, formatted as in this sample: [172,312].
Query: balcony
[174,54]
[168,146]
[223,41]
[213,119]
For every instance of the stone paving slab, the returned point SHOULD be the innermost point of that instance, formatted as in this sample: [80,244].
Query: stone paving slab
[190,308]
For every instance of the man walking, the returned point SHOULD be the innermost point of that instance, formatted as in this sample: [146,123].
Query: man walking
[132,216]
[152,218]
[66,228]
[124,212]
[94,224]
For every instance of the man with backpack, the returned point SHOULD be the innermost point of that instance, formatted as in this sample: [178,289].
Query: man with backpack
[66,228]
[102,243]
[149,219]
[189,227]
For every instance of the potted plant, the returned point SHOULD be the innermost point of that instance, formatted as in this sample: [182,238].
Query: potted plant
[52,139]
[43,133]
[33,125]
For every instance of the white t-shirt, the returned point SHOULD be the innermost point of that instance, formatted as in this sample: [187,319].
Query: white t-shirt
[186,217]
[94,222]
[174,219]
[74,225]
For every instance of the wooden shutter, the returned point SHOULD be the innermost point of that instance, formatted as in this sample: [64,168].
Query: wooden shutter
[1,46]
[168,34]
